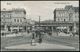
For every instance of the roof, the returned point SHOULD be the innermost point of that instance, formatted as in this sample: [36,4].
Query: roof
[15,10]
[67,7]
[5,11]
[60,9]
[76,9]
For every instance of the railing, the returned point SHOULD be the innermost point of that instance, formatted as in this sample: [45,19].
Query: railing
[55,24]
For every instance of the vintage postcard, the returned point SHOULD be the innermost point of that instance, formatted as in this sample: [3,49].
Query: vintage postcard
[39,25]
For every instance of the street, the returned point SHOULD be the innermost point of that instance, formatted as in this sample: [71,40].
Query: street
[62,40]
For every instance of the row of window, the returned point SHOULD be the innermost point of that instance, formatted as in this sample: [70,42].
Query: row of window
[62,20]
[18,20]
[62,15]
[6,16]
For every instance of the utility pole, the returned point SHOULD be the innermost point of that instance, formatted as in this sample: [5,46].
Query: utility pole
[40,39]
[39,21]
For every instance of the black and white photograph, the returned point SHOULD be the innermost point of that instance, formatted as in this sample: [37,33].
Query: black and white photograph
[39,25]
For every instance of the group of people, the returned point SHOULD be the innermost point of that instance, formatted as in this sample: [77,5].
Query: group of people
[37,36]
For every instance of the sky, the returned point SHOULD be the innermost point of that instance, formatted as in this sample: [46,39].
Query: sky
[34,9]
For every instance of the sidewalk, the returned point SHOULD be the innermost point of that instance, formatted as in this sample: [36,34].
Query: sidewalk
[67,35]
[42,46]
[19,34]
[11,35]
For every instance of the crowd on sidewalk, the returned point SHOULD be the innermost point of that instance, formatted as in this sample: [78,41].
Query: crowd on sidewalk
[39,31]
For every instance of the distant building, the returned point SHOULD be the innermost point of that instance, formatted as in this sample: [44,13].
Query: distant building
[5,19]
[61,15]
[30,23]
[13,19]
[18,16]
[74,17]
[18,19]
[73,13]
[69,13]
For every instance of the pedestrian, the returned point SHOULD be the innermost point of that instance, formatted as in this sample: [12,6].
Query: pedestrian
[73,34]
[33,40]
[36,33]
[28,31]
[57,32]
[40,40]
[40,37]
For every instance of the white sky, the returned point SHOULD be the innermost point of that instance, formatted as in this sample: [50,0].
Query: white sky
[35,9]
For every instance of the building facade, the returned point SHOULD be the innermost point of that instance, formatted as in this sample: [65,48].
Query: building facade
[5,19]
[61,15]
[73,13]
[68,14]
[18,19]
[13,20]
